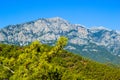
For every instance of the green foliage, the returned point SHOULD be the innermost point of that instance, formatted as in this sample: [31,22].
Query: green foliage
[42,62]
[61,43]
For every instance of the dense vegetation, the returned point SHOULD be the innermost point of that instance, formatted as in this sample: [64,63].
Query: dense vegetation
[42,62]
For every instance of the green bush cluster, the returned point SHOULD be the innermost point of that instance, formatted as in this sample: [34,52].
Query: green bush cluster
[42,62]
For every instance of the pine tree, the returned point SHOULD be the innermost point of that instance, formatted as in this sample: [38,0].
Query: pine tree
[60,44]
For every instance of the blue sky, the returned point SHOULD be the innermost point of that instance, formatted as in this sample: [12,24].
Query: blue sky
[86,12]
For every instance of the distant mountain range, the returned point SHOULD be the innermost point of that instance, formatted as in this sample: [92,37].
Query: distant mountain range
[97,43]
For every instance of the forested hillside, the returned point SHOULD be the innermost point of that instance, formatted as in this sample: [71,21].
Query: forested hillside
[42,62]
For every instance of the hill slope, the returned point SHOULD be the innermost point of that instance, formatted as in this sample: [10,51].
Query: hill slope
[42,62]
[104,42]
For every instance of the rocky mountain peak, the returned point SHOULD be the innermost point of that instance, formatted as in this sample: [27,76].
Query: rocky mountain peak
[48,30]
[95,29]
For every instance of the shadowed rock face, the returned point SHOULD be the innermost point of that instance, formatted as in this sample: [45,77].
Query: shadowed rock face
[81,39]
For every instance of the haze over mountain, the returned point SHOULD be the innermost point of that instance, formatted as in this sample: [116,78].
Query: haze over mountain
[97,43]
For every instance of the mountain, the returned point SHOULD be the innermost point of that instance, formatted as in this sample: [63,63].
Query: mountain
[42,62]
[98,43]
